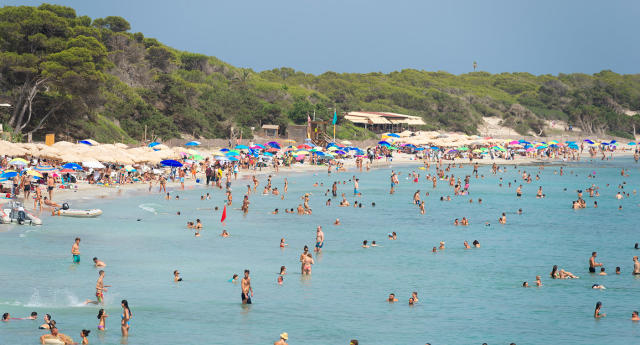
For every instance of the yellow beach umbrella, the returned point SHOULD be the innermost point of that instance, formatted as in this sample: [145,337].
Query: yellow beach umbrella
[34,173]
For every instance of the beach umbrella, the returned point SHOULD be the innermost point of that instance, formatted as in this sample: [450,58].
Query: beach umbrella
[93,164]
[197,157]
[393,135]
[273,149]
[435,148]
[267,154]
[452,151]
[67,171]
[588,141]
[241,147]
[18,161]
[418,149]
[192,143]
[340,152]
[89,142]
[9,174]
[530,149]
[224,150]
[463,148]
[153,144]
[573,146]
[383,143]
[289,141]
[129,168]
[304,146]
[301,152]
[44,168]
[233,159]
[170,163]
[232,153]
[259,145]
[273,144]
[72,166]
[631,143]
[514,142]
[300,157]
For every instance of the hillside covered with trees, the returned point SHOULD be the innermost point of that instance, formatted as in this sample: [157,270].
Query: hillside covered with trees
[80,77]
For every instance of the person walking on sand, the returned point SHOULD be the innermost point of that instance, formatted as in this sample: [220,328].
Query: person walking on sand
[75,251]
[100,290]
[50,186]
[247,291]
[319,239]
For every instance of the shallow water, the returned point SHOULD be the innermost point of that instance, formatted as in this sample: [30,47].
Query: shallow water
[466,296]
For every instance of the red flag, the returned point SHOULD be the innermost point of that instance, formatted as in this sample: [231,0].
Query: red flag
[224,214]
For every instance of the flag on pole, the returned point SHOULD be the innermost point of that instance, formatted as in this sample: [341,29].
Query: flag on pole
[335,120]
[224,215]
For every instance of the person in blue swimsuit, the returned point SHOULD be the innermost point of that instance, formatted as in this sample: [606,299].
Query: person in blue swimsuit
[126,317]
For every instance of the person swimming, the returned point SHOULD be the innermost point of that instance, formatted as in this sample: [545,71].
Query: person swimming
[102,316]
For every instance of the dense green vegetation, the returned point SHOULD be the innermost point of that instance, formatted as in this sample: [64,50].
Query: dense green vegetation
[80,78]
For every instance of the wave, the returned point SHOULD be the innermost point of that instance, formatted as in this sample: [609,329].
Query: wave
[57,298]
[153,208]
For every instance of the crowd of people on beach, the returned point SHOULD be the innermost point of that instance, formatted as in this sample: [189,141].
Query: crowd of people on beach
[222,175]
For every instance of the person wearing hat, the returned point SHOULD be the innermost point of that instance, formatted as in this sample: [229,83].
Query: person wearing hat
[283,339]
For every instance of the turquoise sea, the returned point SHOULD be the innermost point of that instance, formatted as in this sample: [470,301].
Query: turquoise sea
[466,296]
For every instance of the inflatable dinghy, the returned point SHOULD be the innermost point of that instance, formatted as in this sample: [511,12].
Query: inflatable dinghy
[16,213]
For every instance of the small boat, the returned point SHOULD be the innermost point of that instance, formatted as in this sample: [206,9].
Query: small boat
[15,213]
[68,212]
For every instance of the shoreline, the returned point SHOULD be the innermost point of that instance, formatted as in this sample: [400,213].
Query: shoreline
[87,193]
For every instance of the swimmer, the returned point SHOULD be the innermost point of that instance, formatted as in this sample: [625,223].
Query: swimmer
[503,219]
[414,295]
[75,251]
[466,245]
[434,250]
[283,339]
[441,245]
[307,261]
[392,298]
[234,279]
[592,263]
[224,234]
[337,222]
[319,239]
[176,276]
[280,280]
[102,316]
[525,284]
[283,270]
[596,313]
[538,281]
[598,286]
[602,272]
[618,270]
[275,211]
[373,244]
[634,316]
[98,263]
[100,290]
[282,243]
[476,243]
[364,244]
[47,322]
[84,334]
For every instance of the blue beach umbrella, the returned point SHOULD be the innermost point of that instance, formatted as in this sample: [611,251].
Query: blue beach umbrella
[153,144]
[274,144]
[224,150]
[241,147]
[631,143]
[44,168]
[8,175]
[86,142]
[233,159]
[267,154]
[72,166]
[383,143]
[192,143]
[393,135]
[232,153]
[171,163]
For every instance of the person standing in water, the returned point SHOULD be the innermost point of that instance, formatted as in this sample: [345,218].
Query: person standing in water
[247,291]
[319,239]
[100,290]
[302,258]
[636,266]
[125,318]
[75,251]
[593,264]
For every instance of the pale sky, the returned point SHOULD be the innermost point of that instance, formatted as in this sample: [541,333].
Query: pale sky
[536,36]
